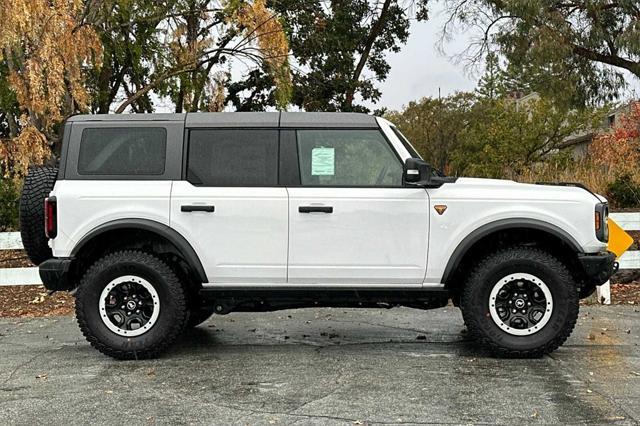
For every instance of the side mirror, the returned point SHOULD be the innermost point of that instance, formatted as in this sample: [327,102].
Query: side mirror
[416,173]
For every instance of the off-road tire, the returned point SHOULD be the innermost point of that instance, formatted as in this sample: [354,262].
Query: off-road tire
[173,305]
[37,186]
[487,272]
[198,315]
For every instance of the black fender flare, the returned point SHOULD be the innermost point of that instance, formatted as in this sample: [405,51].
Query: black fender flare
[500,225]
[173,236]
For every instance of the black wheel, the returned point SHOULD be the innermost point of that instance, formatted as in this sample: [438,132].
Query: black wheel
[198,315]
[520,302]
[131,305]
[37,186]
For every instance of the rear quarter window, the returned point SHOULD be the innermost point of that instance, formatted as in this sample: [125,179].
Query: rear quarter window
[123,151]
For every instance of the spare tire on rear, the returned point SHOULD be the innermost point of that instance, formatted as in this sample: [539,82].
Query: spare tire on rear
[37,186]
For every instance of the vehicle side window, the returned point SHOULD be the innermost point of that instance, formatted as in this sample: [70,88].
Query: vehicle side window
[347,158]
[235,157]
[122,151]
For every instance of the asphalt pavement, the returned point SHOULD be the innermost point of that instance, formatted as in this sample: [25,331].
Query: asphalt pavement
[323,366]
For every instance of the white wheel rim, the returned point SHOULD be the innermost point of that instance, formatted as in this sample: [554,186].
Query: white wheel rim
[532,327]
[102,306]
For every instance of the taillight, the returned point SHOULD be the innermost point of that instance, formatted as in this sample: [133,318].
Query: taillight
[50,217]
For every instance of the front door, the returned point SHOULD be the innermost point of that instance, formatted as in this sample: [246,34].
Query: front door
[230,207]
[351,221]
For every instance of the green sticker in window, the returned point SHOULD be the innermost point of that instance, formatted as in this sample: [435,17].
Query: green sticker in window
[323,161]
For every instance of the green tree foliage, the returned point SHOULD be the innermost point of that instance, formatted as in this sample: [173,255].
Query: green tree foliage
[436,127]
[575,51]
[9,196]
[129,31]
[492,132]
[180,49]
[338,50]
[507,136]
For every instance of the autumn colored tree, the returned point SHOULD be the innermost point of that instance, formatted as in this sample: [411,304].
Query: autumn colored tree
[619,148]
[44,48]
[60,57]
[180,49]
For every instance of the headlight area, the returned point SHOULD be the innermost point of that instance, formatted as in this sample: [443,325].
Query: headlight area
[600,221]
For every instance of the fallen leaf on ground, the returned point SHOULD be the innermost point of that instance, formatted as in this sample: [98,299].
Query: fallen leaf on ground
[38,299]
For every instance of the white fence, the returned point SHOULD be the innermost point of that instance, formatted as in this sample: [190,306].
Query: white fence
[29,276]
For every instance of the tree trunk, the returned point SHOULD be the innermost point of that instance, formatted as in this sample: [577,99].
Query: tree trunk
[376,29]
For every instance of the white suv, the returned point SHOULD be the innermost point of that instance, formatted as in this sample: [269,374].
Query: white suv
[157,221]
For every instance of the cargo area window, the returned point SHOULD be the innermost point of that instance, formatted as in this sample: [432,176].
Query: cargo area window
[347,158]
[123,151]
[233,157]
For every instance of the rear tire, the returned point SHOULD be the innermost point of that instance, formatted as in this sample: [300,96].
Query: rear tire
[118,330]
[520,302]
[37,186]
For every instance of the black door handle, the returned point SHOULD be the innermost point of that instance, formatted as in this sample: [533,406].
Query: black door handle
[188,209]
[312,209]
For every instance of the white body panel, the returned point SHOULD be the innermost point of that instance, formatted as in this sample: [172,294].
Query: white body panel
[84,205]
[244,240]
[374,235]
[473,203]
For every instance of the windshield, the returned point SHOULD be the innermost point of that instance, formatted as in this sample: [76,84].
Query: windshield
[412,150]
[406,143]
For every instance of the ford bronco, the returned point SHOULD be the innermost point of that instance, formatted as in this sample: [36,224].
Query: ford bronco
[158,221]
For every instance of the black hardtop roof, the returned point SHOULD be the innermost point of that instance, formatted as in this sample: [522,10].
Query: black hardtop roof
[244,119]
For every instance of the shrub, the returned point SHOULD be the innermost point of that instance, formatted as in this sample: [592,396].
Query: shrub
[9,198]
[624,192]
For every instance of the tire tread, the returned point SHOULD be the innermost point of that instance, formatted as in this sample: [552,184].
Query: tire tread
[498,257]
[37,186]
[176,290]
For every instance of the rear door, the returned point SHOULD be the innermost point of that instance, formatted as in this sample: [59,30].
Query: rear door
[351,220]
[230,206]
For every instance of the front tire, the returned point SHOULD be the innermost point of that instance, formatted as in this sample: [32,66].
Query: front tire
[520,302]
[131,305]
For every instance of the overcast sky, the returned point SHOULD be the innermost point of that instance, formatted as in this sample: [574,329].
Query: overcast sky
[419,69]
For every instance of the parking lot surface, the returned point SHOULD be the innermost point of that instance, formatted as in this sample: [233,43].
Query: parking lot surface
[323,366]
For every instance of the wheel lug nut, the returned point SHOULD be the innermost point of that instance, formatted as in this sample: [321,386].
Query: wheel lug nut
[122,307]
[524,312]
[140,303]
[137,311]
[514,311]
[510,302]
[528,303]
